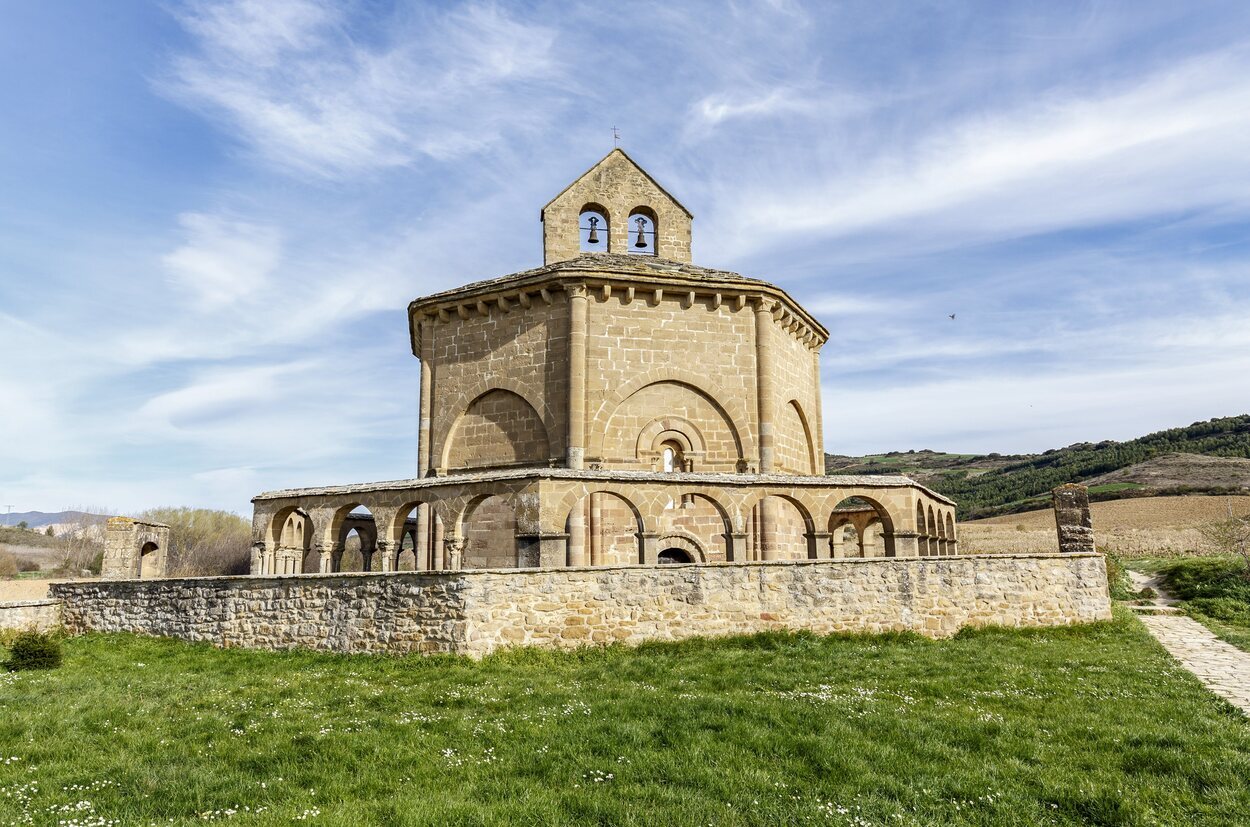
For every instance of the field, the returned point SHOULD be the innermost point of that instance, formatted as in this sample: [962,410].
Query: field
[1088,725]
[1142,527]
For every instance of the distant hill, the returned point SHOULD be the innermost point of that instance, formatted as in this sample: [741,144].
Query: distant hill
[1210,457]
[40,519]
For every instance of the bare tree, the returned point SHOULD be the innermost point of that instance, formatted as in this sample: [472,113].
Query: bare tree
[1230,536]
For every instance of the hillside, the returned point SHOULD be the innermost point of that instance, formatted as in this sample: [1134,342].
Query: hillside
[42,519]
[1205,457]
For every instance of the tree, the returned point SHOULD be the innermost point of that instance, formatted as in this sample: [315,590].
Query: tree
[204,542]
[1230,536]
[23,525]
[49,532]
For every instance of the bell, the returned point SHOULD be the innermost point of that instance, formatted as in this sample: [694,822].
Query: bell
[593,238]
[641,241]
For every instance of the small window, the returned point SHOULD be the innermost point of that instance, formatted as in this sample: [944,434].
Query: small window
[673,459]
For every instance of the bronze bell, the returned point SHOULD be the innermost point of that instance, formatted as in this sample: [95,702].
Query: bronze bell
[593,238]
[641,241]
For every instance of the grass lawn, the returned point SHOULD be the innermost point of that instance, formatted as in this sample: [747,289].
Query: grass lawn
[1089,725]
[1215,592]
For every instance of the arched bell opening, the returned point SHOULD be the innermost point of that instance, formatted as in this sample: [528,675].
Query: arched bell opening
[592,229]
[643,230]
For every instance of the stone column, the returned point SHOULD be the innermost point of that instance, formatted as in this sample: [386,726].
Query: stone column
[439,550]
[258,557]
[579,304]
[577,533]
[596,529]
[426,332]
[768,527]
[906,544]
[387,551]
[764,369]
[325,559]
[821,541]
[650,548]
[739,547]
[421,542]
[1072,519]
[454,552]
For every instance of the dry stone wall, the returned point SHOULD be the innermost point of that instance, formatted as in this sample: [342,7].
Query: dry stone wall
[477,612]
[40,615]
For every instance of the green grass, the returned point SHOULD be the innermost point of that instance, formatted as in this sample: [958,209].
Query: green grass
[1087,725]
[1213,591]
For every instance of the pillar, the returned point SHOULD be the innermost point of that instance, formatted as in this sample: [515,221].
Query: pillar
[764,369]
[650,548]
[1072,519]
[439,544]
[325,558]
[421,542]
[387,551]
[769,507]
[596,529]
[821,541]
[577,533]
[579,304]
[426,332]
[739,549]
[453,551]
[906,544]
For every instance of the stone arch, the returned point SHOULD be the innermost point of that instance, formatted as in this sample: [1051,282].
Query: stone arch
[950,533]
[776,534]
[499,427]
[614,437]
[650,446]
[151,563]
[874,526]
[488,528]
[700,517]
[650,231]
[586,229]
[461,402]
[684,542]
[605,527]
[844,539]
[922,539]
[731,407]
[399,527]
[289,542]
[796,453]
[935,534]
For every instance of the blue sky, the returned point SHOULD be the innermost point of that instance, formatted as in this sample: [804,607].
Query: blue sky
[212,215]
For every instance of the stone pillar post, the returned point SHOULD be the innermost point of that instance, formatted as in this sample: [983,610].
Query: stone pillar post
[387,552]
[258,558]
[650,548]
[821,541]
[439,545]
[906,544]
[577,533]
[738,547]
[768,527]
[545,551]
[764,369]
[454,552]
[421,543]
[325,559]
[425,330]
[1072,519]
[579,304]
[754,552]
[596,529]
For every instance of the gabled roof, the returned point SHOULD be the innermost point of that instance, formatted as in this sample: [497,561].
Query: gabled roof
[634,164]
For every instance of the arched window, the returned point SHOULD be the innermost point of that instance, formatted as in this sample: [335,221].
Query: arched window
[673,459]
[642,230]
[592,228]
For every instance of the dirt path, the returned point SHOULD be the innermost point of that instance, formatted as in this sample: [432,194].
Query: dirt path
[27,589]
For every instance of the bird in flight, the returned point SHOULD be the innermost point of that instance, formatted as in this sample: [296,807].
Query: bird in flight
[952,315]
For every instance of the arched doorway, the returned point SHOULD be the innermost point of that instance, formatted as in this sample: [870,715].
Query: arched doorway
[670,556]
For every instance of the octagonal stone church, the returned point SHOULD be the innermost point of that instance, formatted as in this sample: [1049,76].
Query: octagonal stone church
[617,406]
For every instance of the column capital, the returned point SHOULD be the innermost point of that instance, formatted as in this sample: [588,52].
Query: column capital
[576,291]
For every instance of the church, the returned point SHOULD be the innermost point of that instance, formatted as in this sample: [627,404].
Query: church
[617,406]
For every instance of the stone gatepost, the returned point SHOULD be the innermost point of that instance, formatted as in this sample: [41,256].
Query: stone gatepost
[134,548]
[1072,519]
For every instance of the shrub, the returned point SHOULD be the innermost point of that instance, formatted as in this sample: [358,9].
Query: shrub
[1226,609]
[34,650]
[8,564]
[1192,578]
[1147,593]
[1117,577]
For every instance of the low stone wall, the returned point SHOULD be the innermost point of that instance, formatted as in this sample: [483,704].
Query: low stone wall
[476,612]
[41,615]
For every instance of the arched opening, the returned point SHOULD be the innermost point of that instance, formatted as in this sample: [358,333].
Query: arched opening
[795,452]
[700,523]
[952,547]
[489,533]
[780,529]
[604,529]
[642,231]
[148,559]
[669,407]
[413,539]
[870,532]
[290,543]
[672,457]
[355,540]
[922,538]
[674,555]
[592,229]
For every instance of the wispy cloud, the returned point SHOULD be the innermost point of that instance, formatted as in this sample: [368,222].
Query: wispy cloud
[223,261]
[303,91]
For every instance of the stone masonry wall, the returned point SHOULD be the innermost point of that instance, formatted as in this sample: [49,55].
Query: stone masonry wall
[477,612]
[30,614]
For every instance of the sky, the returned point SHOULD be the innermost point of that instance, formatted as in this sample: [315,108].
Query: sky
[213,215]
